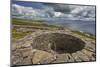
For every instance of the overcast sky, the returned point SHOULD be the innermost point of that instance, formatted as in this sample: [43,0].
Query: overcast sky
[51,10]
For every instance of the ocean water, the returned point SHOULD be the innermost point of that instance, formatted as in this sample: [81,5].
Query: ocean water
[77,25]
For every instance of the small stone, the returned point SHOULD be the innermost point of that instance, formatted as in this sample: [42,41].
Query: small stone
[16,59]
[76,57]
[26,52]
[70,58]
[27,61]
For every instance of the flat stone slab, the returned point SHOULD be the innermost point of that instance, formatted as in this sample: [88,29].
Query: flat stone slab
[42,57]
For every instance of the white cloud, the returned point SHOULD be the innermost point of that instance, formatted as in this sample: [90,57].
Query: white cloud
[27,12]
[84,12]
[58,14]
[76,13]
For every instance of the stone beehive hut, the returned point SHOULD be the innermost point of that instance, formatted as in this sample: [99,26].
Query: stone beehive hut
[58,42]
[45,47]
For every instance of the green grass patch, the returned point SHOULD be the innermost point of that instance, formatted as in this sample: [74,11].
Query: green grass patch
[17,35]
[30,24]
[37,24]
[84,34]
[27,22]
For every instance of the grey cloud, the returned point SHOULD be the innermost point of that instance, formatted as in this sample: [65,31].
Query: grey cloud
[56,10]
[74,10]
[59,7]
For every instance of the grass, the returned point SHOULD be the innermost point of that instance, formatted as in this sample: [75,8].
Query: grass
[84,34]
[32,23]
[26,22]
[17,35]
[22,23]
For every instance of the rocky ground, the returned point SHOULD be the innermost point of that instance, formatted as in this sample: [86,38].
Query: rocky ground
[33,49]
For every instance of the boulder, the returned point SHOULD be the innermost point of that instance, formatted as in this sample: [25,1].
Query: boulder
[42,57]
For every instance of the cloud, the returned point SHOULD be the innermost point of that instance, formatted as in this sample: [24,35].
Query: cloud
[77,12]
[59,7]
[48,10]
[58,14]
[18,10]
[27,12]
[84,12]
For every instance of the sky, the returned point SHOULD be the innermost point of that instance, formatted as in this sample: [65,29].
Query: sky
[47,11]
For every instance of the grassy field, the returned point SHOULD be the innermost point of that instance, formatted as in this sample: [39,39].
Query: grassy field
[84,34]
[21,23]
[17,35]
[34,23]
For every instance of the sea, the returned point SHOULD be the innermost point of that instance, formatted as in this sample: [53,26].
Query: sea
[77,25]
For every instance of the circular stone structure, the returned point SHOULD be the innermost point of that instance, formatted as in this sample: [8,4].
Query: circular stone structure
[58,42]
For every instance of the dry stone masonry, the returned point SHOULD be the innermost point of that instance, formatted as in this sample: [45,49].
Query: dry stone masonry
[43,47]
